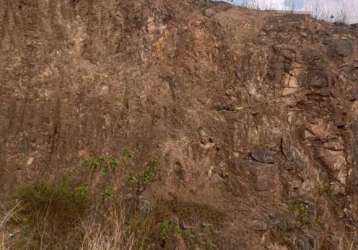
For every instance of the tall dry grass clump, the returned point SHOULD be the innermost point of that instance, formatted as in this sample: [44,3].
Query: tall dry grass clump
[110,234]
[98,234]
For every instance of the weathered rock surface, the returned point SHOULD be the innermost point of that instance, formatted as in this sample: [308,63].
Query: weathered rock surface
[199,86]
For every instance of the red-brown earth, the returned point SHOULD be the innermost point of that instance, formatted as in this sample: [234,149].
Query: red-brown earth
[251,116]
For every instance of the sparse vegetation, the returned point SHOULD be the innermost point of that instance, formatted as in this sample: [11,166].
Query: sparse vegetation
[325,188]
[140,180]
[300,210]
[168,230]
[2,235]
[4,219]
[169,221]
[50,213]
[61,198]
[126,154]
[323,61]
[2,241]
[110,234]
[104,163]
[64,212]
[108,193]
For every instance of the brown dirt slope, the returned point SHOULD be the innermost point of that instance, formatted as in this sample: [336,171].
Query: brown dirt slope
[252,116]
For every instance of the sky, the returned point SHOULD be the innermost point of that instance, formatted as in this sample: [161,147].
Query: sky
[325,9]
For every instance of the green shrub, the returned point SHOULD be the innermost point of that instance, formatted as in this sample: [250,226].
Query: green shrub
[60,199]
[50,212]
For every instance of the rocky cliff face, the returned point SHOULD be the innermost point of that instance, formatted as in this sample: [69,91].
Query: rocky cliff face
[252,116]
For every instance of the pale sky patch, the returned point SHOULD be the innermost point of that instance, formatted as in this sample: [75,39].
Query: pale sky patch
[328,9]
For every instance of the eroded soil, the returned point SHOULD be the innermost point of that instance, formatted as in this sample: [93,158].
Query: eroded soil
[252,116]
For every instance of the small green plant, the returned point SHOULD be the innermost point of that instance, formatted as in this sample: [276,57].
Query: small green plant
[81,191]
[300,210]
[126,154]
[323,61]
[325,188]
[107,194]
[141,180]
[104,163]
[168,230]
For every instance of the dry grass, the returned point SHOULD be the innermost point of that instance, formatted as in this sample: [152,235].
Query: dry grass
[2,241]
[98,234]
[8,215]
[4,219]
[108,235]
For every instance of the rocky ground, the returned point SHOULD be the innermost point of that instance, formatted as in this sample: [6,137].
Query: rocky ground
[231,128]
